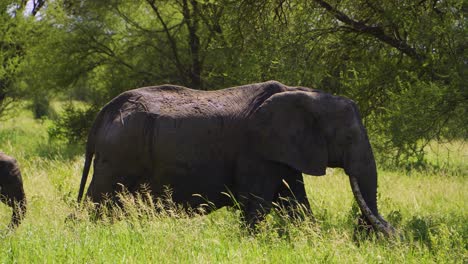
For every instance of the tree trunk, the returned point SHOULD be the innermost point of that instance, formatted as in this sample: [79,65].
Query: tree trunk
[191,20]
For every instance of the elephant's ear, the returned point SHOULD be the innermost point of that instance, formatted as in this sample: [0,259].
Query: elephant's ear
[286,129]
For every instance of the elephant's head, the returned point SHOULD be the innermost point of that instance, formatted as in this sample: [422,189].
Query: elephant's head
[11,188]
[312,130]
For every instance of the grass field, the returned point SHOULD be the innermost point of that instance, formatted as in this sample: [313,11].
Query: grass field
[430,208]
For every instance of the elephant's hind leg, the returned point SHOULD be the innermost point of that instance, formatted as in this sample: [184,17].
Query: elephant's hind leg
[104,182]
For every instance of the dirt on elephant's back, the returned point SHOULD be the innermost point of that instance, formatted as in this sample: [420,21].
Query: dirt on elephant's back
[178,101]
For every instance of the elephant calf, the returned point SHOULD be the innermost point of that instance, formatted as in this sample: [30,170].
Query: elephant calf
[11,188]
[247,141]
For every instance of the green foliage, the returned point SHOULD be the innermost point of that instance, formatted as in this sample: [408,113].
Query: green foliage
[73,123]
[41,107]
[22,134]
[11,52]
[416,113]
[403,62]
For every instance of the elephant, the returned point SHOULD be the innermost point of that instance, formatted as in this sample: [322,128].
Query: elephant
[11,188]
[253,142]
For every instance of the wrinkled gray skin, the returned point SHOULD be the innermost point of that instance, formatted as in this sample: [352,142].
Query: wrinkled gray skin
[246,141]
[11,188]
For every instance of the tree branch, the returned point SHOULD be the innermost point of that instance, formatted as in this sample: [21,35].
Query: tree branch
[191,17]
[171,40]
[375,31]
[37,5]
[135,24]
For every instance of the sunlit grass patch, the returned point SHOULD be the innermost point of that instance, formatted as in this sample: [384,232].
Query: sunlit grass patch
[448,158]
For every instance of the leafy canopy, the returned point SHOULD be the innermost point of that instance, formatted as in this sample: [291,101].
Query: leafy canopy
[403,62]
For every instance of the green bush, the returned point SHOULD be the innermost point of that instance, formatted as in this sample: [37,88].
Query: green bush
[40,107]
[73,124]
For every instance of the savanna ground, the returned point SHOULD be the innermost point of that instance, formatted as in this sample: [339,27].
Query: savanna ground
[429,207]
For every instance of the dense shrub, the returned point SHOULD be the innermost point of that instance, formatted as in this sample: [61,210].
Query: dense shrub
[73,124]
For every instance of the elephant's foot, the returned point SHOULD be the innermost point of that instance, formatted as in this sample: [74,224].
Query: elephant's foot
[254,210]
[363,229]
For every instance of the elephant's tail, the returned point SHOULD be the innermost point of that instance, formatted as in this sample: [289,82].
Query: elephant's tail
[106,111]
[90,149]
[87,165]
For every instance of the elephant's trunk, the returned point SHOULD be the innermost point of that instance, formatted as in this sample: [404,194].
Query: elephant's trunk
[372,215]
[362,171]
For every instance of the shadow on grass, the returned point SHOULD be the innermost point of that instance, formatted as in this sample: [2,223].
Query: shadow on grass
[439,234]
[420,228]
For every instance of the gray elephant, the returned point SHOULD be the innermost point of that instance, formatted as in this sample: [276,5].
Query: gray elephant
[11,188]
[253,142]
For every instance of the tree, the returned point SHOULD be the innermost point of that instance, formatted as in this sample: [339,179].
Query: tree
[403,62]
[11,52]
[15,31]
[423,45]
[154,41]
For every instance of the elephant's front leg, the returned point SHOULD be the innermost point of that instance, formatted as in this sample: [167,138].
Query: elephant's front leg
[291,196]
[257,183]
[255,204]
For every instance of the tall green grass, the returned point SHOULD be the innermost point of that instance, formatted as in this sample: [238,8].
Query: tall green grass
[429,207]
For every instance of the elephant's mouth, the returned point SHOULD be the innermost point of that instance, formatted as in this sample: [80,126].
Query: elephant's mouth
[375,219]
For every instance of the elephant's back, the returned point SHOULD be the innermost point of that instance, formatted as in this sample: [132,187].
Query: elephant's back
[173,103]
[178,101]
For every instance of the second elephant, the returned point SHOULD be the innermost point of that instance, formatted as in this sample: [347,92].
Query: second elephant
[11,188]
